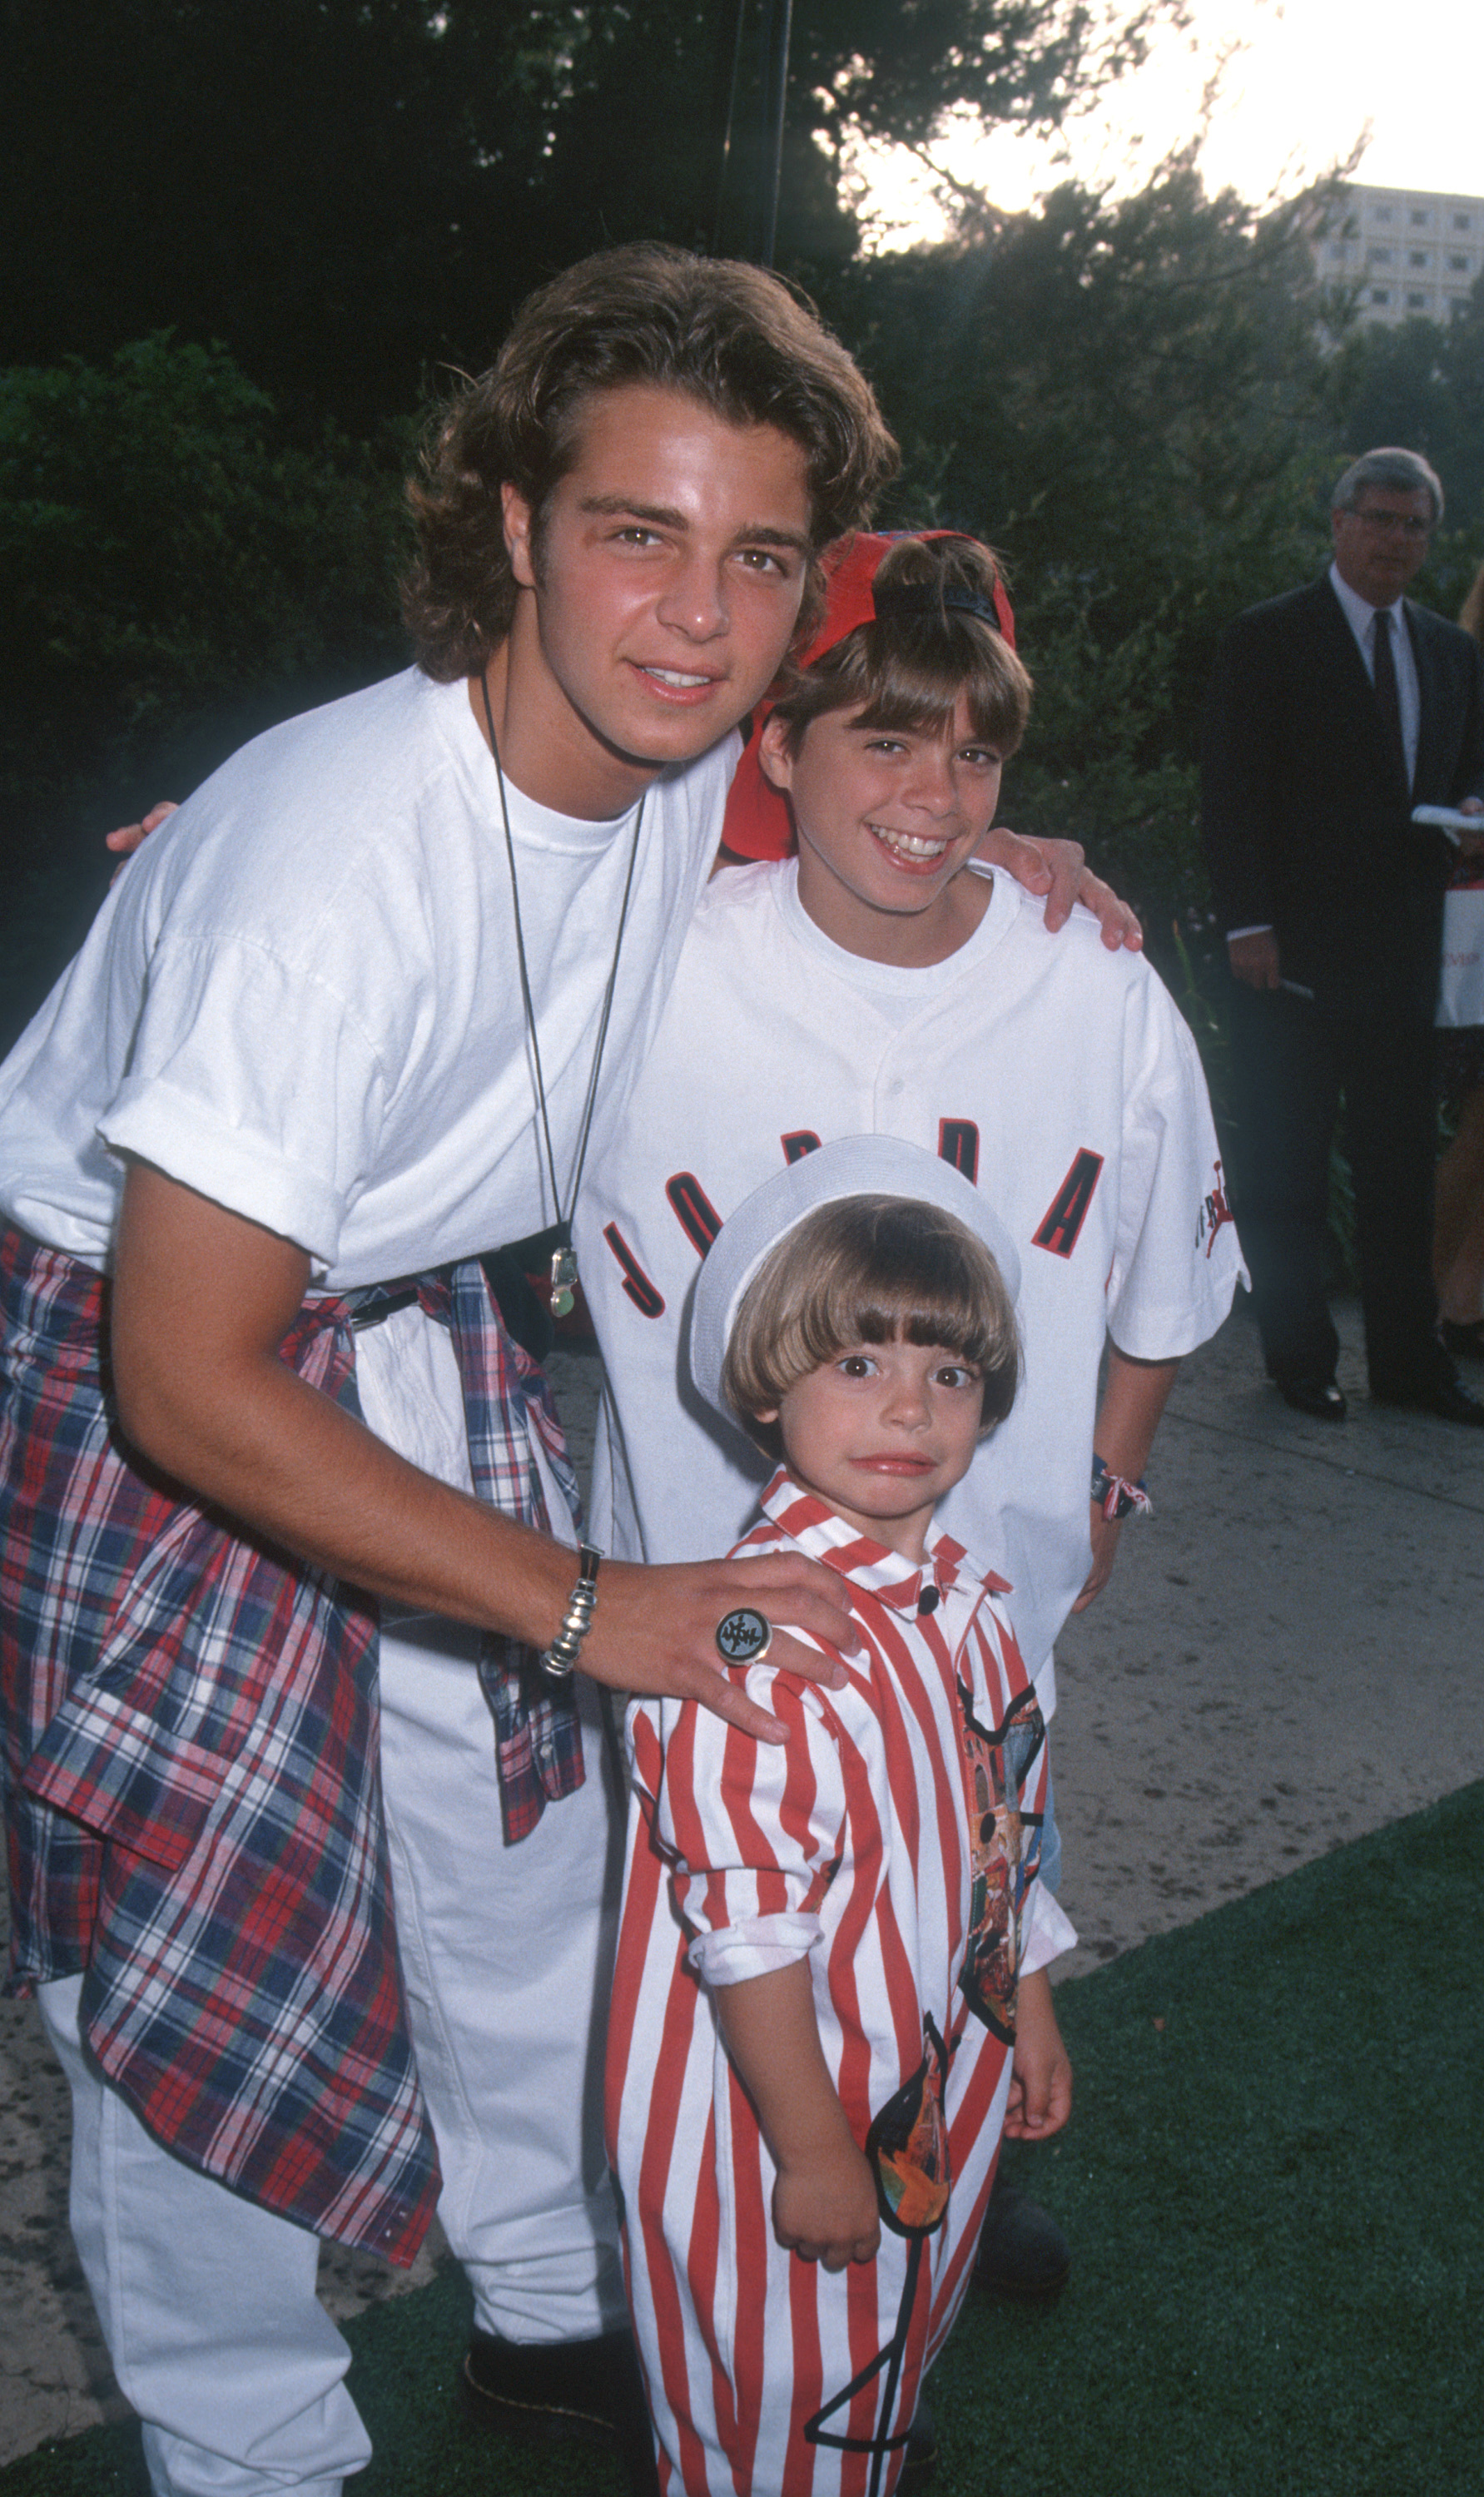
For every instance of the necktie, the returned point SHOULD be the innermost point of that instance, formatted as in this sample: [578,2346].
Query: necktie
[1386,701]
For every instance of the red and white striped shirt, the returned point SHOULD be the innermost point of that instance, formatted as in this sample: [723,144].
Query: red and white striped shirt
[892,1841]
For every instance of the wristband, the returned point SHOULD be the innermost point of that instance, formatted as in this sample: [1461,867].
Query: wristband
[1116,1495]
[566,1646]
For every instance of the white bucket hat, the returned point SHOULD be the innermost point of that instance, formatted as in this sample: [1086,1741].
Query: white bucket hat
[852,1166]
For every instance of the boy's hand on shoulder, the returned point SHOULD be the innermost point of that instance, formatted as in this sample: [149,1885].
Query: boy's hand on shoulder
[655,1631]
[1059,870]
[1040,2097]
[1119,919]
[126,839]
[825,2210]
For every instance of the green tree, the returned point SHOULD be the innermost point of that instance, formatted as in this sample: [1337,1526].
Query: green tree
[1129,397]
[1422,384]
[182,570]
[345,192]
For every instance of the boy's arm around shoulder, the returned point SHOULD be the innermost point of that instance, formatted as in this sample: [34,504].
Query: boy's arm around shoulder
[1059,870]
[203,1299]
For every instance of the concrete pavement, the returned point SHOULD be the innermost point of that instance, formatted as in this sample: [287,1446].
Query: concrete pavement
[1289,1654]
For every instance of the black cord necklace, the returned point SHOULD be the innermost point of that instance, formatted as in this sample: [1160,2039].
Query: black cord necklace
[563,1254]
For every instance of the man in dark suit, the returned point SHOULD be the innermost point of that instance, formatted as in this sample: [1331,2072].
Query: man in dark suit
[1334,710]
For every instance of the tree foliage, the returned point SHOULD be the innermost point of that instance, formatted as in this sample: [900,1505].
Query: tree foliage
[181,570]
[1129,399]
[160,532]
[1422,384]
[346,192]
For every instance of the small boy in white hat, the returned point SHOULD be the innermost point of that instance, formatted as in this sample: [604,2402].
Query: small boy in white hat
[831,1997]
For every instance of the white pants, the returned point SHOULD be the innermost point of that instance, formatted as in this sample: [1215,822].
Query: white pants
[506,1956]
[207,2303]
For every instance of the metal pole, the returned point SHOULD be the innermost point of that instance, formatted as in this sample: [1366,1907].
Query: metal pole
[778,31]
[738,19]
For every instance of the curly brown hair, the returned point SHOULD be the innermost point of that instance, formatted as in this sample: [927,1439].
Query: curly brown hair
[737,338]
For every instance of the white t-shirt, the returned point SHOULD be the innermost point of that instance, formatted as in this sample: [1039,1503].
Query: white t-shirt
[1057,1074]
[302,999]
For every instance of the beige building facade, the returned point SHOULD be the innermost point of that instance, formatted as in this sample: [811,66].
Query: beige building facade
[1411,254]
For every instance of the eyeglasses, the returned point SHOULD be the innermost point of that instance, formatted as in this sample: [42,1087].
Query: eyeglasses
[1392,525]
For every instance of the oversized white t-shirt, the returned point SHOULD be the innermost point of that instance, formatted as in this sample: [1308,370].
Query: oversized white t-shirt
[301,998]
[1058,1075]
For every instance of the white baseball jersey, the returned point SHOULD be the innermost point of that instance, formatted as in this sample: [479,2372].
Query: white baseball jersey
[889,1843]
[1056,1074]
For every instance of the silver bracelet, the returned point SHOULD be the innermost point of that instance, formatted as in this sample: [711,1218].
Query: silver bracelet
[566,1646]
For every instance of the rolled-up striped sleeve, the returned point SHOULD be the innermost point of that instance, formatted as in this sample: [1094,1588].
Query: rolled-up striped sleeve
[755,1832]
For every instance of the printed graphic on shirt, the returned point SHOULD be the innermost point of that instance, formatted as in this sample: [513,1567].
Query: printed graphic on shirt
[959,1146]
[693,1210]
[1002,1845]
[907,2146]
[1061,1226]
[1214,1212]
[647,1298]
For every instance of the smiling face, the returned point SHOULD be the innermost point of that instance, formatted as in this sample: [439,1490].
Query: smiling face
[886,819]
[655,600]
[1382,543]
[881,1433]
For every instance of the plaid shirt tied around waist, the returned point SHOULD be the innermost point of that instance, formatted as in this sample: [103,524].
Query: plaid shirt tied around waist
[190,1752]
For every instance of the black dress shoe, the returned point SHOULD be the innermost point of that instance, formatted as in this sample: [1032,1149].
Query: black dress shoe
[1450,1401]
[921,2458]
[1021,2251]
[1319,1398]
[1465,1342]
[591,2391]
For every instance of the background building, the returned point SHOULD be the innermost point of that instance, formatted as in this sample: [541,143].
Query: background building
[1411,253]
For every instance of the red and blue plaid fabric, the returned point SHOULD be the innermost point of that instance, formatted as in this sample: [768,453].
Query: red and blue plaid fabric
[538,1741]
[189,1748]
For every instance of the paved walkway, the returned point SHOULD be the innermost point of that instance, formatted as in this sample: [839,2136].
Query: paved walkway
[1289,1654]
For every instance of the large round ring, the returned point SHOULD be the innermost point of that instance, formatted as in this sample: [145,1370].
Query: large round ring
[743,1637]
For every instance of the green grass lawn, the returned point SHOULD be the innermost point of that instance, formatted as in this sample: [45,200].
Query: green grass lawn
[1274,2184]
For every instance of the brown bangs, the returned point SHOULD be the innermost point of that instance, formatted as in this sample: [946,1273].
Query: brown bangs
[870,1269]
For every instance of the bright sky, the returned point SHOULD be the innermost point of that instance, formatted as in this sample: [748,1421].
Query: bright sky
[1297,97]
